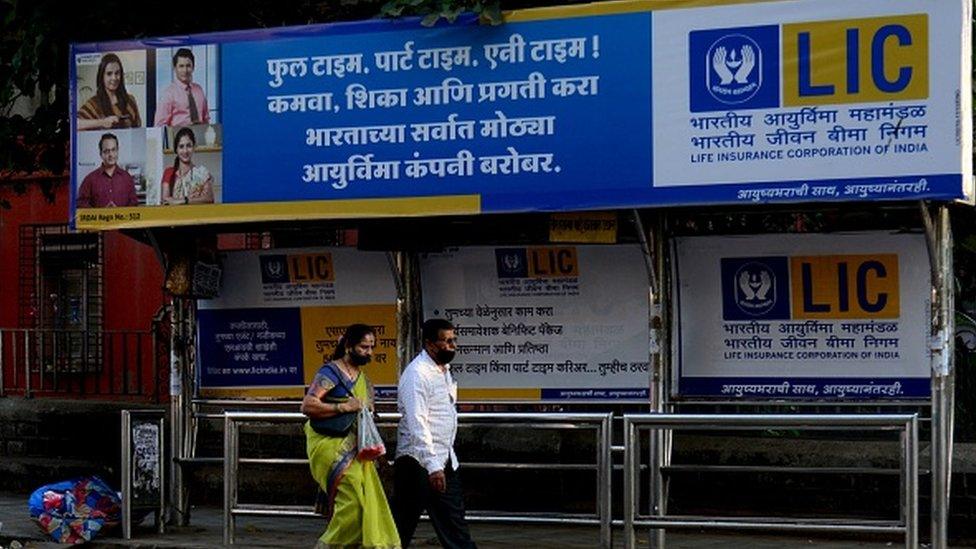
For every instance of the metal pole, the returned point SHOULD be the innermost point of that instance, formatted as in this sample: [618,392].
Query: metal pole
[604,468]
[939,240]
[656,535]
[910,502]
[230,478]
[179,504]
[660,439]
[2,366]
[631,459]
[126,475]
[27,365]
[415,307]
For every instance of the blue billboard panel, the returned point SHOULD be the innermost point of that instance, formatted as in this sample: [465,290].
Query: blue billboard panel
[250,347]
[573,108]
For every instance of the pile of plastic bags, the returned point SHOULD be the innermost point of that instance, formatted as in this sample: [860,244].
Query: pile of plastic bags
[74,511]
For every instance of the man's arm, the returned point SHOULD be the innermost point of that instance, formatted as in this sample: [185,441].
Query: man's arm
[164,110]
[84,199]
[133,198]
[204,108]
[416,414]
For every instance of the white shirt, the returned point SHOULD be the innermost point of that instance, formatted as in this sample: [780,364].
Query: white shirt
[428,423]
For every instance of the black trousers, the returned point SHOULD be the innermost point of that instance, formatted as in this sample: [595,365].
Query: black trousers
[413,495]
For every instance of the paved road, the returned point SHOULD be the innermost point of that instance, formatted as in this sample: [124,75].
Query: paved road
[206,531]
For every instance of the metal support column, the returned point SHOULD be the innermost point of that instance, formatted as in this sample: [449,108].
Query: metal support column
[604,467]
[939,239]
[179,400]
[631,478]
[652,261]
[231,459]
[403,266]
[909,483]
[27,364]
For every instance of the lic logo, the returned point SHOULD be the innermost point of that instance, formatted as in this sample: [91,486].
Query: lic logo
[755,292]
[733,75]
[511,263]
[734,68]
[755,288]
[274,269]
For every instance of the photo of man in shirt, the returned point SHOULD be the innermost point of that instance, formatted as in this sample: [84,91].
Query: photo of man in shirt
[108,185]
[425,470]
[183,102]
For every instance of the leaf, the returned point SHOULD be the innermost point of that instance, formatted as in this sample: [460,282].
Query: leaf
[392,10]
[430,19]
[493,13]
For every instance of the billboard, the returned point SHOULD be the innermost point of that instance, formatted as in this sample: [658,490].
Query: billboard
[544,323]
[812,316]
[280,314]
[601,106]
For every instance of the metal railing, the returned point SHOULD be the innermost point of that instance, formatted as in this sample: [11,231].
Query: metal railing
[600,423]
[907,524]
[79,364]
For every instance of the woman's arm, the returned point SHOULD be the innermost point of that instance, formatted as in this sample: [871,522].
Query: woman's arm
[134,112]
[166,189]
[207,196]
[97,123]
[313,407]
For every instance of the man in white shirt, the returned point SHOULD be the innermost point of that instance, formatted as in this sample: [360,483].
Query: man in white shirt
[425,473]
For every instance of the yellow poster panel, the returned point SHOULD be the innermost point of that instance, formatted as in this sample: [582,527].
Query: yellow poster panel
[845,286]
[856,60]
[323,326]
[587,227]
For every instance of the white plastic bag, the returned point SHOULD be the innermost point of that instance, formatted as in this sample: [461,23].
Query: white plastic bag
[369,442]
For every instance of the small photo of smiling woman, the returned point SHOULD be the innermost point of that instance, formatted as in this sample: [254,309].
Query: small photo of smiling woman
[111,90]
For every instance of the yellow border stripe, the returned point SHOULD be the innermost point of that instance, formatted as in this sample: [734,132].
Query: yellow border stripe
[622,6]
[251,392]
[161,216]
[500,394]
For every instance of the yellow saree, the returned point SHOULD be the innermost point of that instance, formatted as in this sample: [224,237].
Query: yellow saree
[357,509]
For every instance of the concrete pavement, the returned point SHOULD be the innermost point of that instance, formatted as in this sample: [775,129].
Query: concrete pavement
[206,531]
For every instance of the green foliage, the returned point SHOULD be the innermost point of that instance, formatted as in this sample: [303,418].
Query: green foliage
[435,10]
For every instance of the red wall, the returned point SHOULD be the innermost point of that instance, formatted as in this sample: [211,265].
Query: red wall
[133,277]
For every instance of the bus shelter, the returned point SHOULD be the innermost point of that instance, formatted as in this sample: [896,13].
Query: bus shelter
[524,180]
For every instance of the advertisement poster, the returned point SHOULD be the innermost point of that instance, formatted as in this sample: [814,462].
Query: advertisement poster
[811,316]
[280,314]
[601,106]
[544,322]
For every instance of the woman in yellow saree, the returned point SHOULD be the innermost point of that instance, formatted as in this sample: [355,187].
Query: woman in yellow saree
[356,506]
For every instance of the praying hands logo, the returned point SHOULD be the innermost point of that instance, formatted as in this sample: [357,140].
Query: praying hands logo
[724,62]
[755,293]
[755,286]
[735,69]
[512,262]
[275,269]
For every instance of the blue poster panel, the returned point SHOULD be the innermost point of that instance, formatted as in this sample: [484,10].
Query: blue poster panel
[573,108]
[250,347]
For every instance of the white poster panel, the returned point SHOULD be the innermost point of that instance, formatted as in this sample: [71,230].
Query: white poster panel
[814,316]
[865,99]
[280,313]
[543,322]
[302,277]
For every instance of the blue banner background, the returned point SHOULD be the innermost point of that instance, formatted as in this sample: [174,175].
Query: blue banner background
[599,140]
